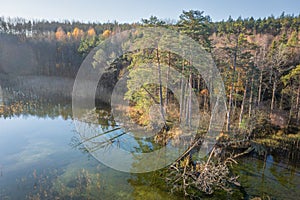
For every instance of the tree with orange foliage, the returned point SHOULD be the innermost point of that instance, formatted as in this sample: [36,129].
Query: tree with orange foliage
[106,33]
[77,33]
[91,32]
[60,34]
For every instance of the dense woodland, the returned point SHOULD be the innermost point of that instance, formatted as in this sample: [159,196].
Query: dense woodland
[258,58]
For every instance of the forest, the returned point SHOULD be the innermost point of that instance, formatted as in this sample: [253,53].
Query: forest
[258,58]
[259,61]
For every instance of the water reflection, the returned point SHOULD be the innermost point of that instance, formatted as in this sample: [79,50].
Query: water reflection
[15,104]
[270,177]
[43,157]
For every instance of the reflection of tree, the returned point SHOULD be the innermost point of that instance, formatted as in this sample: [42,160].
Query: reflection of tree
[17,103]
[103,131]
[271,176]
[277,169]
[98,130]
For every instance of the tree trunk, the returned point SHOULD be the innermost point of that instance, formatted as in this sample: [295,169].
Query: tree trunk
[251,96]
[273,95]
[291,109]
[229,110]
[236,92]
[182,94]
[160,87]
[281,100]
[186,106]
[190,100]
[260,87]
[243,103]
[231,93]
[298,104]
[199,83]
[167,84]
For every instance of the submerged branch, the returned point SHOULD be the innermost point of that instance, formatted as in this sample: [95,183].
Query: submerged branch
[98,135]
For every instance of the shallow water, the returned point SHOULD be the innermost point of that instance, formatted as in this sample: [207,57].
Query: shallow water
[37,159]
[271,177]
[40,159]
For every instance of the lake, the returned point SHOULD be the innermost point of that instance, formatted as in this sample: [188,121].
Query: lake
[41,157]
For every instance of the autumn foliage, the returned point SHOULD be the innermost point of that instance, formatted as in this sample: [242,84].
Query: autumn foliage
[60,34]
[77,33]
[91,32]
[106,33]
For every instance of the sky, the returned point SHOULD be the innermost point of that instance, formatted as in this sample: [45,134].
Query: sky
[134,10]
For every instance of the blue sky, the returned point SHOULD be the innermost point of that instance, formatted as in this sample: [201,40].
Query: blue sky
[134,10]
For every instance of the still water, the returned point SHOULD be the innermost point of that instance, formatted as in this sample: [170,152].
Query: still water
[38,160]
[41,158]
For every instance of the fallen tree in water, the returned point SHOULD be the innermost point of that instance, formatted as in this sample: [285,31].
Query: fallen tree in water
[204,176]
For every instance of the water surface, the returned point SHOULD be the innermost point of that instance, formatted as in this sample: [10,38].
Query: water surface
[41,158]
